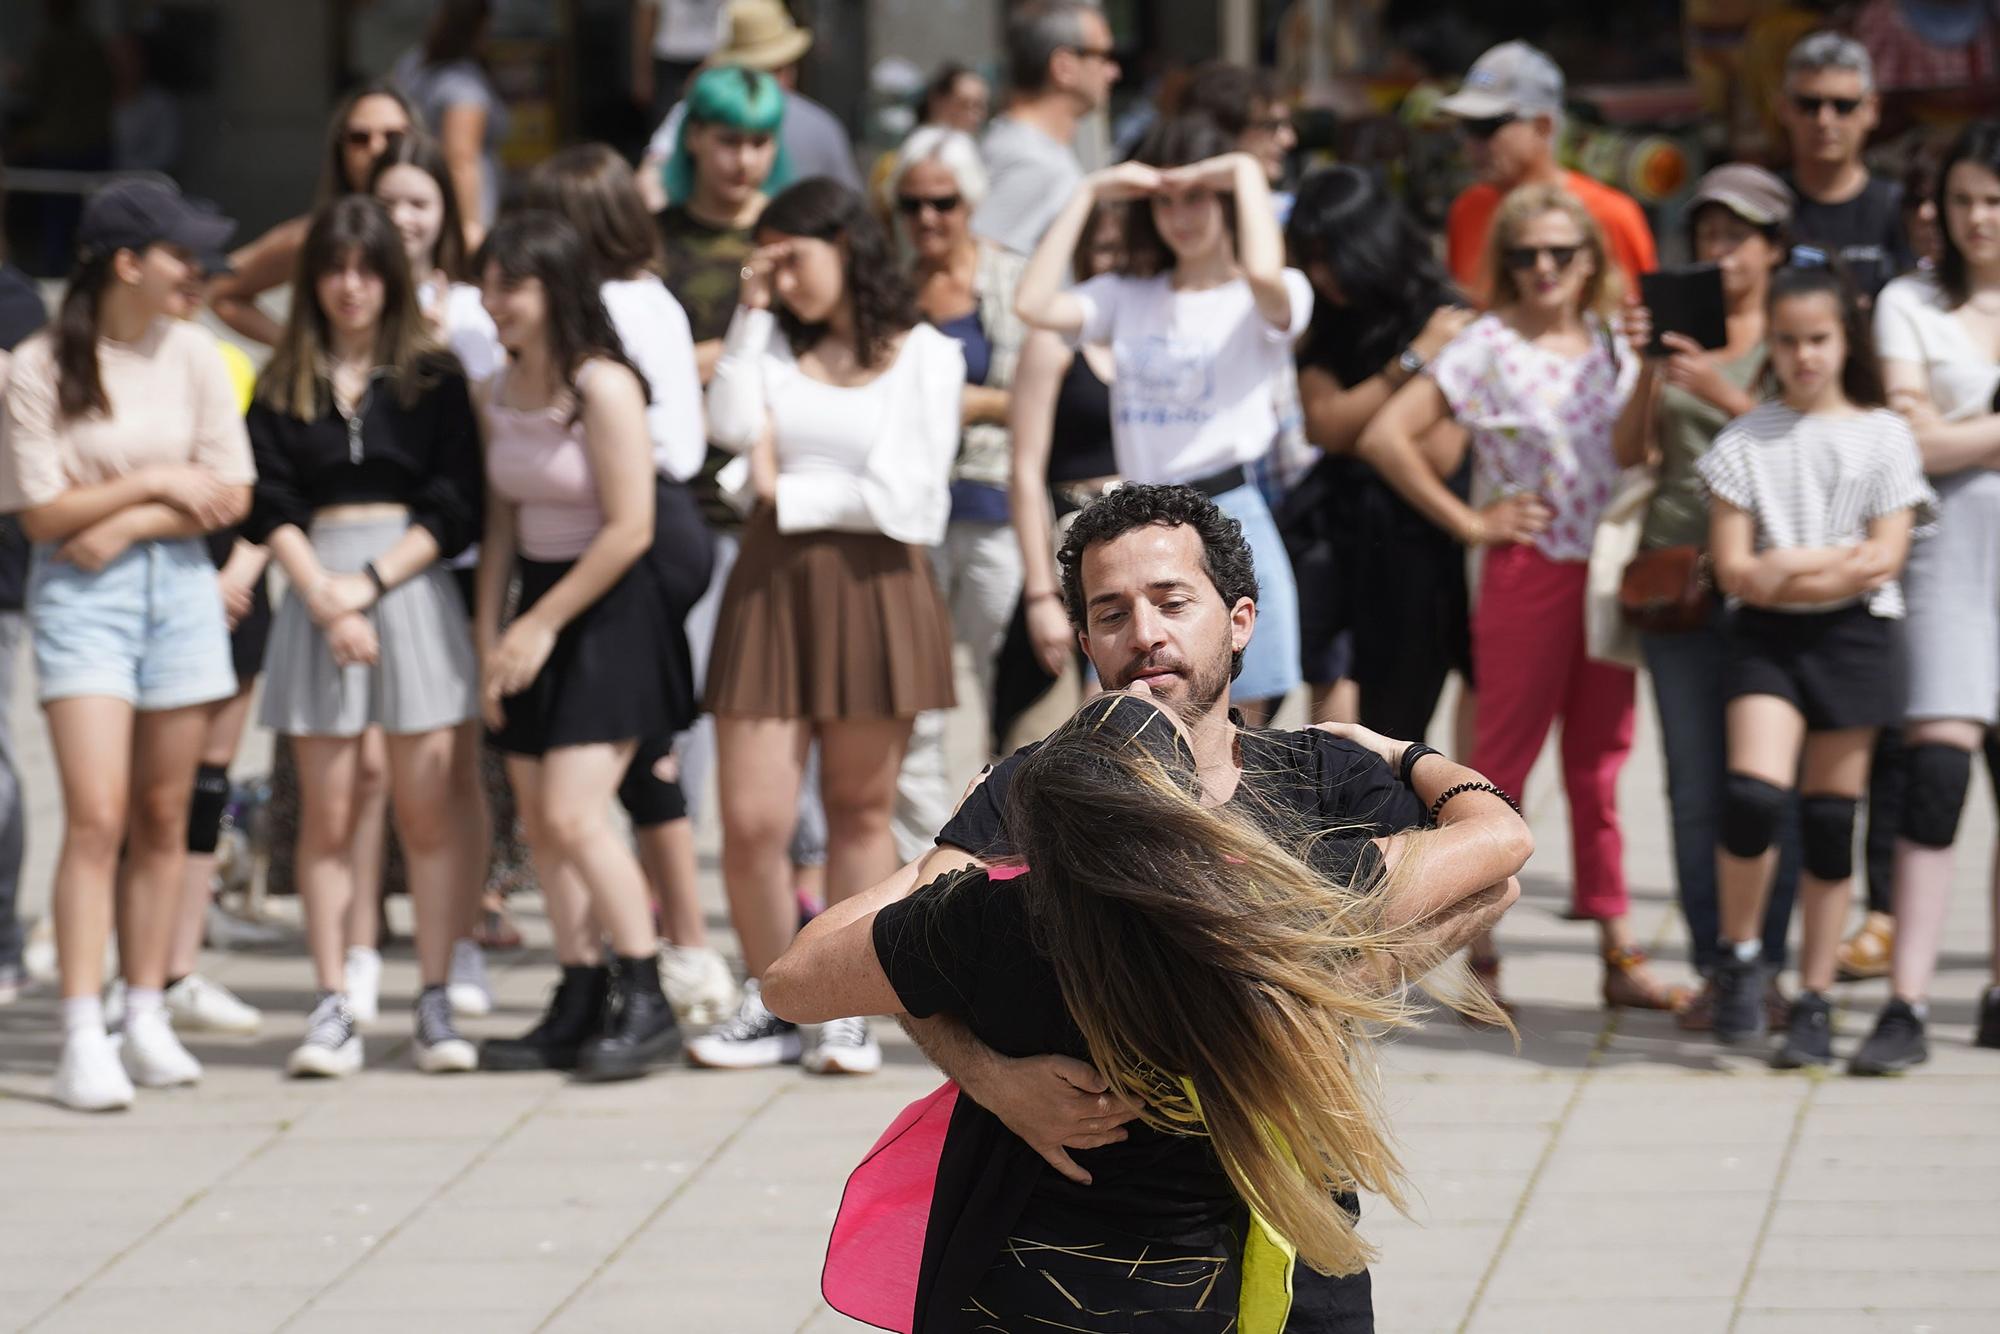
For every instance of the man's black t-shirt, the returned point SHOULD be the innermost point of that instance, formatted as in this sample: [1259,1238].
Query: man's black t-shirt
[965,950]
[21,313]
[1865,233]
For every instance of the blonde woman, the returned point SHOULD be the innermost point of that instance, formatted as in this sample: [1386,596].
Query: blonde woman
[1539,381]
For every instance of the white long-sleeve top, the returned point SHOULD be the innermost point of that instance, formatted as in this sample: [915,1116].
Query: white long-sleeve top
[654,329]
[873,458]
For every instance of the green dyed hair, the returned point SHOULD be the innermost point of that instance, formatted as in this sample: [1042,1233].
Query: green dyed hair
[742,99]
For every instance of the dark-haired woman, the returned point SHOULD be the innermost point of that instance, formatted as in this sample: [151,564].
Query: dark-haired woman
[1815,494]
[1228,1006]
[1737,221]
[448,85]
[573,684]
[1201,321]
[1939,338]
[591,186]
[124,445]
[847,409]
[366,124]
[368,476]
[1372,571]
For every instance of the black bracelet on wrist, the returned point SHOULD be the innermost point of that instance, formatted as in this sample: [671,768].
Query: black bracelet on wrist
[1459,790]
[375,578]
[1415,751]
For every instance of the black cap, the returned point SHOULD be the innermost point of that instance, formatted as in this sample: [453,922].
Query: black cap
[137,211]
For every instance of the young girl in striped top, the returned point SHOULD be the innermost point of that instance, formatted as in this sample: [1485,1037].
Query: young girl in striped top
[1816,495]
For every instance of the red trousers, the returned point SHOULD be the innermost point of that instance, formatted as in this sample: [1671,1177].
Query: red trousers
[1529,662]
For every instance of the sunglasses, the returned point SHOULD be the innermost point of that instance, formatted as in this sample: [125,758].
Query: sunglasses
[1092,52]
[911,205]
[369,138]
[1487,128]
[1521,258]
[1810,106]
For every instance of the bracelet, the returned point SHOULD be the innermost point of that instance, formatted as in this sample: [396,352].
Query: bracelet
[375,578]
[1415,751]
[1437,807]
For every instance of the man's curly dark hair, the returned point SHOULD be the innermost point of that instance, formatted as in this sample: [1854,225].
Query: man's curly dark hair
[1225,556]
[877,284]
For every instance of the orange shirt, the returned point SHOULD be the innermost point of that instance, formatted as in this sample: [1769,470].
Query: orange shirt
[1625,231]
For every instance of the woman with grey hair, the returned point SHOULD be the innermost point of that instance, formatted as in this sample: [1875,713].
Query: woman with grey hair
[965,287]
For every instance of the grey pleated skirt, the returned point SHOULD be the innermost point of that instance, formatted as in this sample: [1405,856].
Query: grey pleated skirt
[426,676]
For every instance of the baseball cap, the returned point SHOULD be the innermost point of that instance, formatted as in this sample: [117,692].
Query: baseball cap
[1751,193]
[134,212]
[1511,79]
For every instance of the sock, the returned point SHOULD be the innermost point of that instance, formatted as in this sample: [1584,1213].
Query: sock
[142,1003]
[82,1014]
[1744,951]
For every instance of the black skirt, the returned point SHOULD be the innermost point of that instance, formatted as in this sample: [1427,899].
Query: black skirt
[1842,668]
[608,677]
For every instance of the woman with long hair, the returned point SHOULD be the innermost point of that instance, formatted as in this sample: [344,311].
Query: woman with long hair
[965,288]
[1226,973]
[1939,339]
[1538,381]
[1382,595]
[123,447]
[366,124]
[1738,221]
[368,477]
[847,407]
[1201,320]
[591,187]
[572,685]
[447,83]
[413,183]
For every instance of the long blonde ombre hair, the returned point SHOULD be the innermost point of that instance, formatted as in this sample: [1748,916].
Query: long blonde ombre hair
[1222,983]
[1605,287]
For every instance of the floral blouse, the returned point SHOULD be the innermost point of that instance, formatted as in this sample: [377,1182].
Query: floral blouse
[1541,422]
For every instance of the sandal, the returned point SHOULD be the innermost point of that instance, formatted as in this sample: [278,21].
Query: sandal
[1865,954]
[1486,973]
[496,931]
[1629,984]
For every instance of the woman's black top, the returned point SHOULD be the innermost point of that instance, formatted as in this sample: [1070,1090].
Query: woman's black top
[425,456]
[1080,439]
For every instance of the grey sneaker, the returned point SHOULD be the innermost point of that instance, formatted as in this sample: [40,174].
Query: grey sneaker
[1738,1016]
[1808,1034]
[1896,1044]
[332,1049]
[439,1048]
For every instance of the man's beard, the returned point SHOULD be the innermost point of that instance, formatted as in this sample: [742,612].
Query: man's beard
[1193,693]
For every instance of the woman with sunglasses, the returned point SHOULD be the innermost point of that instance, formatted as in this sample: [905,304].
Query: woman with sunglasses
[1539,381]
[965,288]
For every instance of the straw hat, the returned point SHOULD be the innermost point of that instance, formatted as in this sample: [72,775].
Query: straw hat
[762,36]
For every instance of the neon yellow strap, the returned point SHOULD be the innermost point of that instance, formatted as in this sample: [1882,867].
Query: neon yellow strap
[1268,1261]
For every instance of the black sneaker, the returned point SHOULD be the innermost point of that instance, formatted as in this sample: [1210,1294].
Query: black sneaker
[1739,1001]
[1808,1034]
[1896,1044]
[639,1031]
[575,1015]
[1988,1032]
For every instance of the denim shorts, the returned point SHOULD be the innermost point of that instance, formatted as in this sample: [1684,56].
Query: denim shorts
[1271,661]
[148,628]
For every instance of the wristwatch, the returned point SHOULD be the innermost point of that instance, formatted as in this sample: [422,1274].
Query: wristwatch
[1411,362]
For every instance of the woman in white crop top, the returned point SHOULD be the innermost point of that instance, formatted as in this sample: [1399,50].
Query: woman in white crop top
[1201,318]
[831,627]
[577,680]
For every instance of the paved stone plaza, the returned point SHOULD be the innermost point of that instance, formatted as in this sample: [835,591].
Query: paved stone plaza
[1613,1175]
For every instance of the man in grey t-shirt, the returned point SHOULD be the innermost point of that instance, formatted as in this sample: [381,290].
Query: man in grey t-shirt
[1061,67]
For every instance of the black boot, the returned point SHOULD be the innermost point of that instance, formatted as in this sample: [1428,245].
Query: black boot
[575,1015]
[639,1030]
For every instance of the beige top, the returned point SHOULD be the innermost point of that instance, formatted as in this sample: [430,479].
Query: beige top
[171,402]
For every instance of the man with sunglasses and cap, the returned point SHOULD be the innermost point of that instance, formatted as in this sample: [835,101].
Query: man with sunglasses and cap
[1509,110]
[1829,108]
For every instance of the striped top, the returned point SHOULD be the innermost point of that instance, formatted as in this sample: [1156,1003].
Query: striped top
[1819,479]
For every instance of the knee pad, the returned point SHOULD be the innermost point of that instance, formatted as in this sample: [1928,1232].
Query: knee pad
[1751,809]
[1934,784]
[205,811]
[648,799]
[1826,827]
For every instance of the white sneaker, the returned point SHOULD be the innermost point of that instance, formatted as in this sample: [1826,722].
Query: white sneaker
[332,1048]
[201,1006]
[439,1048]
[364,984]
[750,1039]
[154,1056]
[12,983]
[89,1077]
[469,991]
[698,983]
[845,1048]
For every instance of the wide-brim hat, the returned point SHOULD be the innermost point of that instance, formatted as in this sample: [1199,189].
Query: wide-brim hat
[762,36]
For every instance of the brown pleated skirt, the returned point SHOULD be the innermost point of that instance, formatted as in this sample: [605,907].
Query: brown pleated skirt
[830,627]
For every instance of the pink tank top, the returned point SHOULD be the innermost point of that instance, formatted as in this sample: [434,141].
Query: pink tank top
[536,460]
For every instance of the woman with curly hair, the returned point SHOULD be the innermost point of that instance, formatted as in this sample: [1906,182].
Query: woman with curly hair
[831,629]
